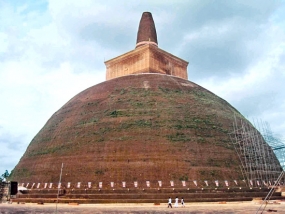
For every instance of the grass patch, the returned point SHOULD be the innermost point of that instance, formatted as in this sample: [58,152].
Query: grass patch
[143,123]
[183,178]
[178,136]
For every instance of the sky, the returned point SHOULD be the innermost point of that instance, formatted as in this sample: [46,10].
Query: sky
[51,50]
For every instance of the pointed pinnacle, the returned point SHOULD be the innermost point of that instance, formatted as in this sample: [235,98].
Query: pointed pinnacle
[146,31]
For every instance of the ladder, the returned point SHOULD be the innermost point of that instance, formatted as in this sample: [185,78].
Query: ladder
[268,196]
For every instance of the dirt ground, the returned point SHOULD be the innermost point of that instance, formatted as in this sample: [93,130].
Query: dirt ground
[197,208]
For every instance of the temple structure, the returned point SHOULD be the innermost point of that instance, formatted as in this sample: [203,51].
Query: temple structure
[147,57]
[148,126]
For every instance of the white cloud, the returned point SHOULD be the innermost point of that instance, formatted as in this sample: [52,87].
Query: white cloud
[52,50]
[3,42]
[258,92]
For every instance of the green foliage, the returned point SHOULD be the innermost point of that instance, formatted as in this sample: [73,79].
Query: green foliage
[5,175]
[213,173]
[178,91]
[179,136]
[93,103]
[201,140]
[117,113]
[183,178]
[208,174]
[139,104]
[143,123]
[165,90]
[100,139]
[50,150]
[227,163]
[123,91]
[99,172]
[23,172]
[215,163]
[178,126]
[114,113]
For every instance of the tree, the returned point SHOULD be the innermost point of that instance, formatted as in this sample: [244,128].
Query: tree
[5,175]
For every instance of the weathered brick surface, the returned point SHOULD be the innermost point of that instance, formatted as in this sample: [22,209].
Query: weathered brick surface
[135,128]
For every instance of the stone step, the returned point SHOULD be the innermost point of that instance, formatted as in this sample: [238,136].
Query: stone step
[159,200]
[147,190]
[150,195]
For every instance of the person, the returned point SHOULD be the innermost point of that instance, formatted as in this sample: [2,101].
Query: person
[176,202]
[169,203]
[182,202]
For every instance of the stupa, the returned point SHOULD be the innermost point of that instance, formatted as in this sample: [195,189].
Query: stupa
[147,57]
[146,122]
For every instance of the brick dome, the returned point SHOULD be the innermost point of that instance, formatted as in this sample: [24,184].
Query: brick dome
[135,128]
[146,123]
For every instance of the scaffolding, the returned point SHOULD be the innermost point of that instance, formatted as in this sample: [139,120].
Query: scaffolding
[259,164]
[277,145]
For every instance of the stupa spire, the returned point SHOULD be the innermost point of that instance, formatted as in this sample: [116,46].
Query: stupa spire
[147,57]
[146,31]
